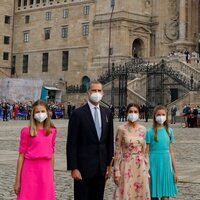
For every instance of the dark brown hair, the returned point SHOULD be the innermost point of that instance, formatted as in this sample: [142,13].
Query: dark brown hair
[93,82]
[132,105]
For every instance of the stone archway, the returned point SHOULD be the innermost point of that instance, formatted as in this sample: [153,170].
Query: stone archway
[137,48]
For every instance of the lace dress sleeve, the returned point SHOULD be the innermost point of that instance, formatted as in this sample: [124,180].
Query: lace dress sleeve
[118,153]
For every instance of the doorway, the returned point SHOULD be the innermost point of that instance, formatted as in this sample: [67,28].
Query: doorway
[137,48]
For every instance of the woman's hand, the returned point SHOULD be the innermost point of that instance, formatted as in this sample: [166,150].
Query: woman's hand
[17,187]
[176,177]
[117,180]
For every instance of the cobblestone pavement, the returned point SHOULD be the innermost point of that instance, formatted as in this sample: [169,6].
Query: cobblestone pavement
[186,149]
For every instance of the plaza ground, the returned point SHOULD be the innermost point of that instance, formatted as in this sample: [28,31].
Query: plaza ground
[186,149]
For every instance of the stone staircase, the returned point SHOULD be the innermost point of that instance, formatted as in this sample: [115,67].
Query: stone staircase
[185,72]
[179,64]
[182,73]
[136,90]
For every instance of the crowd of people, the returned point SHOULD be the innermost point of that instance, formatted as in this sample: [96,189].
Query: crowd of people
[144,162]
[191,115]
[145,112]
[22,111]
[186,55]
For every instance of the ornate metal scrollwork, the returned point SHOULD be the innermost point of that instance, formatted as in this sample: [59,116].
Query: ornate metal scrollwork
[75,89]
[136,65]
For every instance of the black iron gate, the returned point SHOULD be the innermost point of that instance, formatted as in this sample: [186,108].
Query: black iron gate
[123,88]
[161,81]
[155,86]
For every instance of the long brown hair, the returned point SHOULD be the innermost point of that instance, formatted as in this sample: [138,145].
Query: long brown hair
[47,122]
[166,124]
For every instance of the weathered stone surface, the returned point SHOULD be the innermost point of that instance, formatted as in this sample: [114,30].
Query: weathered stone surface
[186,150]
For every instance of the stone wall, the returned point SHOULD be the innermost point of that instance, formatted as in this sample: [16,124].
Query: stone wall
[75,99]
[20,89]
[6,29]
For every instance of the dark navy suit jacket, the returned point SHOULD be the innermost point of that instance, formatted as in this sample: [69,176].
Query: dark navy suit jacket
[85,151]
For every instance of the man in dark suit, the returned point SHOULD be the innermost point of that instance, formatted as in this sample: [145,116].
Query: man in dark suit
[90,145]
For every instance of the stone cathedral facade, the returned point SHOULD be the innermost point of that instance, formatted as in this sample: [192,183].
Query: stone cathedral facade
[67,42]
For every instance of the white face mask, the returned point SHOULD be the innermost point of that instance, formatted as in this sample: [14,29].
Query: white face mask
[41,116]
[132,117]
[96,97]
[160,119]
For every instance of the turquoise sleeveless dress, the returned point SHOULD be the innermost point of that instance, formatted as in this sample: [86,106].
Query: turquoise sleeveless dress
[161,172]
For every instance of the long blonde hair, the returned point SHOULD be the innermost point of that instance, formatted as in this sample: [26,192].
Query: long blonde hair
[47,122]
[166,124]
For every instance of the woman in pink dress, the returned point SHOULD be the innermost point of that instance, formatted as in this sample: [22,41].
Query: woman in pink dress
[130,165]
[34,175]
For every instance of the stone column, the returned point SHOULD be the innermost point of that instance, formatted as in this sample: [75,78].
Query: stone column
[182,20]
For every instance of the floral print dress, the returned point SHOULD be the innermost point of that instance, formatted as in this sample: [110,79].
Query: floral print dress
[130,164]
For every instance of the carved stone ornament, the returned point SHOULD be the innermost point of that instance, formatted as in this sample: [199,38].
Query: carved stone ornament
[171,28]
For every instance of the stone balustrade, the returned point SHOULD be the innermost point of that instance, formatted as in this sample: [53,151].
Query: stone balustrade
[135,97]
[186,70]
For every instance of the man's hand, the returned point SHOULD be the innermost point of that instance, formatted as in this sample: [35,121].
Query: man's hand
[76,175]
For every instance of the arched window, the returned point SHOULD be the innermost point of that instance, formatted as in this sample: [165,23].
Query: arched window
[85,82]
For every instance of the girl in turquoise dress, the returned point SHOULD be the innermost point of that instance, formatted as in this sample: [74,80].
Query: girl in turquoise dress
[163,173]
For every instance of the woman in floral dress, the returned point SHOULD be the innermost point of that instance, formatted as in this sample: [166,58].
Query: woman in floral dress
[130,165]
